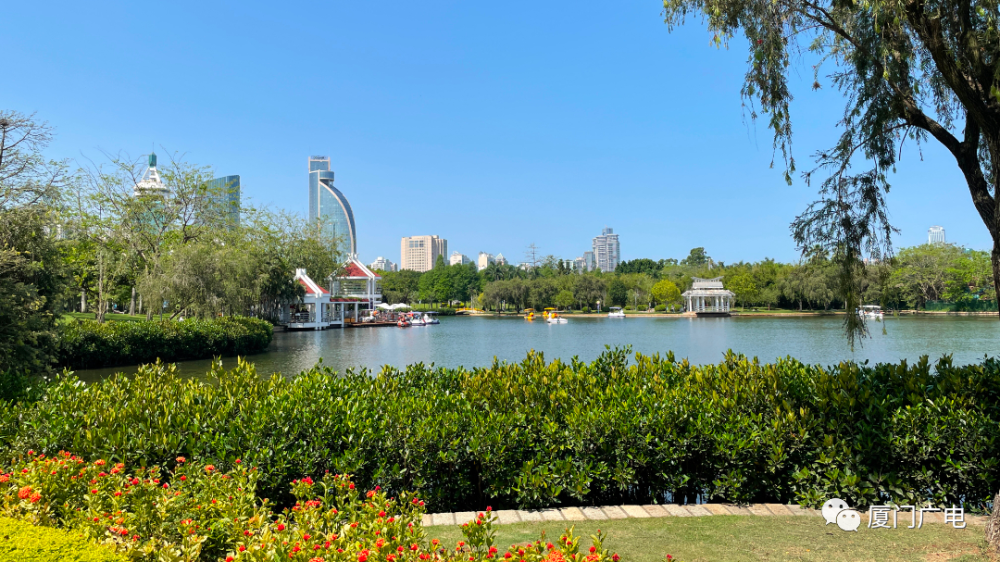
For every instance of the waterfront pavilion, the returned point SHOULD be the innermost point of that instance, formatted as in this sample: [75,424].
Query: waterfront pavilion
[708,297]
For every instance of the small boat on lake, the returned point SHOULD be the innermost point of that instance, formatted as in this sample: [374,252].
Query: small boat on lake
[870,312]
[616,312]
[555,319]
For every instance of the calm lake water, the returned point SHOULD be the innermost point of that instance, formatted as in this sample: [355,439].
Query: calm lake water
[474,341]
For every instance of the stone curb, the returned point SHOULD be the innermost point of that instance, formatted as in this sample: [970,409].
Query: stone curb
[604,513]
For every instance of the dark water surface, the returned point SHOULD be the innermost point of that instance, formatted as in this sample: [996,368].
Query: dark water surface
[474,341]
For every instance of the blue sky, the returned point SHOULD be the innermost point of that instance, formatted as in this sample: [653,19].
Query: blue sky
[491,125]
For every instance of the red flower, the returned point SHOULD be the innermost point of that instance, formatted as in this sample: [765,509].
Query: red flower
[281,526]
[209,467]
[593,549]
[229,559]
[238,461]
[352,487]
[93,491]
[183,478]
[165,486]
[35,497]
[181,460]
[242,548]
[24,493]
[306,537]
[616,558]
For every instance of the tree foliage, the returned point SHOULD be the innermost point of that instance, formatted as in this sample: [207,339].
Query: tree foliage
[909,69]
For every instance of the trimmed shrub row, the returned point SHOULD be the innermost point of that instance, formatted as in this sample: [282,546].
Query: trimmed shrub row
[534,434]
[24,542]
[87,344]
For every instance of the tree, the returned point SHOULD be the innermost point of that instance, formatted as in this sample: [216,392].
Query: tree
[743,286]
[617,292]
[400,286]
[922,272]
[697,258]
[26,177]
[565,299]
[909,69]
[32,281]
[666,292]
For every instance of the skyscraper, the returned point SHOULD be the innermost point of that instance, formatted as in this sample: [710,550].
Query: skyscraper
[606,250]
[484,260]
[328,204]
[420,253]
[935,235]
[382,264]
[458,258]
[589,262]
[226,193]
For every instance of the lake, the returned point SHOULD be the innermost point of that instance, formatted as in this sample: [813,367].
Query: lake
[474,341]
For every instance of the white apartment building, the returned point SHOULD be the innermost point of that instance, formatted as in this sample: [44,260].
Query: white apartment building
[935,235]
[484,260]
[382,264]
[458,259]
[606,250]
[419,253]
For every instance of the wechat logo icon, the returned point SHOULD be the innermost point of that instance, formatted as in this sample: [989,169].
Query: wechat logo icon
[837,511]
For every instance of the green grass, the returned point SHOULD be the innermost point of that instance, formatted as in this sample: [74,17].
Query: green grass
[736,538]
[107,317]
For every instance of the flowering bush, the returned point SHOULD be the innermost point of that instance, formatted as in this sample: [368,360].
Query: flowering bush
[196,512]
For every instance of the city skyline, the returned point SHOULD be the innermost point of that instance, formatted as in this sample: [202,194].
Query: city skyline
[403,114]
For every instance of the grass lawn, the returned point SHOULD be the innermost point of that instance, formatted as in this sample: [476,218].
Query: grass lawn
[738,538]
[108,317]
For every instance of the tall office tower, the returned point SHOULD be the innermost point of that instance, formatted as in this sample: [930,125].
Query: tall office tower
[589,262]
[500,259]
[484,260]
[935,235]
[328,204]
[420,253]
[458,259]
[606,250]
[382,264]
[226,193]
[580,265]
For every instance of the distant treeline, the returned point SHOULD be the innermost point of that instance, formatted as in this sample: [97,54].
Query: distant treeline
[940,273]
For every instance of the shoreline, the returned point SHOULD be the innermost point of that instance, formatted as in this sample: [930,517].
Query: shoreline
[761,314]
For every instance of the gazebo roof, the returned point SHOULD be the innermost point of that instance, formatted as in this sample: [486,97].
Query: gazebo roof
[707,288]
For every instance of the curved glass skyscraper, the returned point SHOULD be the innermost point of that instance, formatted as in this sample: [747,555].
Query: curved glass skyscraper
[329,204]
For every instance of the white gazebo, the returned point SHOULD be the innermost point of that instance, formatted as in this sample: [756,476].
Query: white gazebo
[314,311]
[708,297]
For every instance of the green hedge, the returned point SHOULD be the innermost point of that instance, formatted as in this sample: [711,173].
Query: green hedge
[24,542]
[87,344]
[617,430]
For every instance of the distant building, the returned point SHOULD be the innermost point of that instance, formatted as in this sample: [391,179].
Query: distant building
[328,204]
[458,259]
[589,261]
[382,264]
[484,260]
[580,265]
[501,260]
[420,253]
[150,184]
[606,251]
[708,297]
[935,235]
[226,193]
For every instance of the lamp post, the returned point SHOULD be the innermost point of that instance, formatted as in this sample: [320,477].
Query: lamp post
[598,307]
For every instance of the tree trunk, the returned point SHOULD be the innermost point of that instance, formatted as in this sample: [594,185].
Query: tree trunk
[131,305]
[83,301]
[993,523]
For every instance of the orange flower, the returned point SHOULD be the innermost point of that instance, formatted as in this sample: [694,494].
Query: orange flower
[24,493]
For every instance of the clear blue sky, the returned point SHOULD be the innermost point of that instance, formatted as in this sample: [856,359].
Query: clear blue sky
[491,125]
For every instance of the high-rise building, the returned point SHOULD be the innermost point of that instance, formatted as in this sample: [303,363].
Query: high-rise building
[580,265]
[935,235]
[484,260]
[501,260]
[606,250]
[420,253]
[150,184]
[458,259]
[589,262]
[382,264]
[226,193]
[328,204]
